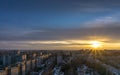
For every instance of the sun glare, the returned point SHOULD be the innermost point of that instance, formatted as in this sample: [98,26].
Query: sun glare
[96,44]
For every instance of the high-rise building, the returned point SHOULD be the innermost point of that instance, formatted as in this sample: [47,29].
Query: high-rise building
[59,59]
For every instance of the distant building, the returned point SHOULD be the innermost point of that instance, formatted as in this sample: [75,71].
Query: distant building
[59,59]
[5,60]
[24,57]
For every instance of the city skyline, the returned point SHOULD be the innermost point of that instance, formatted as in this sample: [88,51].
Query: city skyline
[61,24]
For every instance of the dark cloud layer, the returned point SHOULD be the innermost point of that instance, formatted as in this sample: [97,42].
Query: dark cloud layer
[111,32]
[81,5]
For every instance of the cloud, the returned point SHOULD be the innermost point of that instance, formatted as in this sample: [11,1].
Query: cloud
[108,27]
[111,31]
[43,44]
[105,21]
[59,38]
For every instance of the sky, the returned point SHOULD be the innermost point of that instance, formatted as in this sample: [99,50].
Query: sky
[59,24]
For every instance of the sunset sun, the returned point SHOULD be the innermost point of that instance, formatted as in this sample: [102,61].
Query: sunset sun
[95,44]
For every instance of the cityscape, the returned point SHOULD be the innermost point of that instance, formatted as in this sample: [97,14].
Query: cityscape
[52,62]
[59,37]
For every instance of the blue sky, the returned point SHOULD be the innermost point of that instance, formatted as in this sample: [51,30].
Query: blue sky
[38,20]
[47,19]
[47,14]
